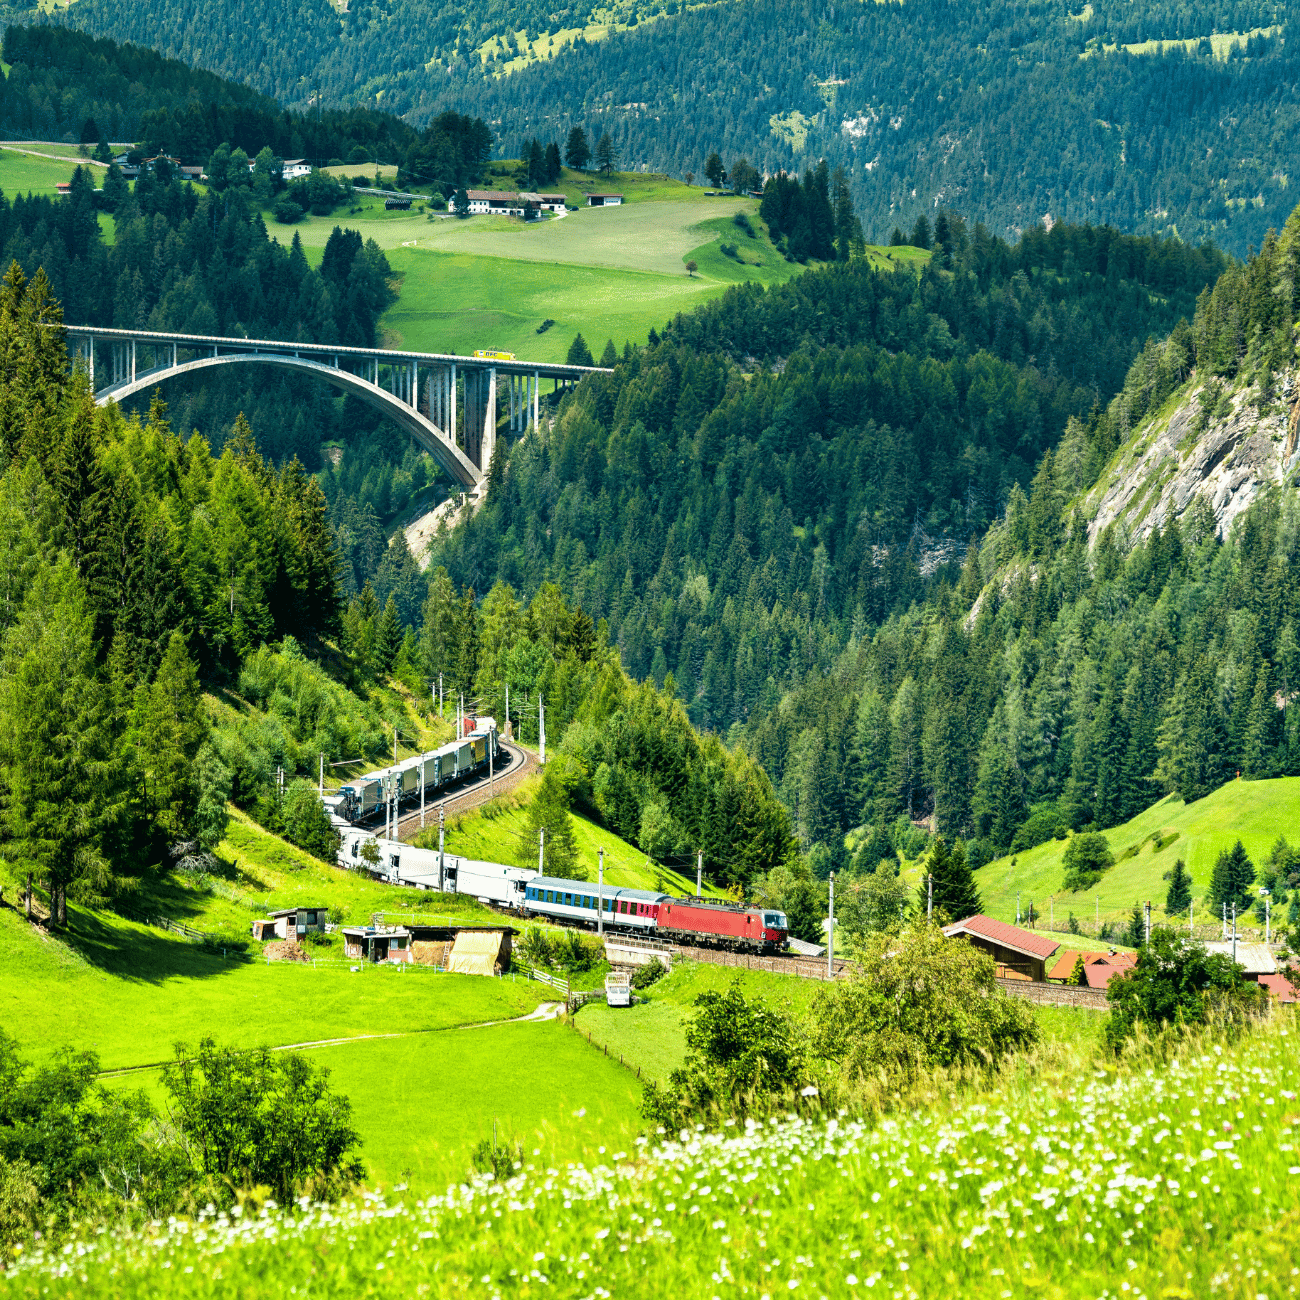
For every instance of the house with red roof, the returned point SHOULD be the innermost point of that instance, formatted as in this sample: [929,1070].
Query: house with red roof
[1020,954]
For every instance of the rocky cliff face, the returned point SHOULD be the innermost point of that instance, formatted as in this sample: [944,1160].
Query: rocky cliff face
[1228,459]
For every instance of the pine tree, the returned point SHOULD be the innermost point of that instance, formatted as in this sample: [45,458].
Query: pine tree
[577,152]
[1179,897]
[56,743]
[579,353]
[1233,875]
[388,638]
[171,726]
[955,894]
[606,155]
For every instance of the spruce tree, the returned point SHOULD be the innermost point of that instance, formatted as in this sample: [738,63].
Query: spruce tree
[1233,875]
[955,895]
[1179,897]
[171,726]
[388,639]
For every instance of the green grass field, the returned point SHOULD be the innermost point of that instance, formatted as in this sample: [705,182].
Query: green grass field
[1166,1175]
[21,173]
[1256,812]
[129,992]
[423,1103]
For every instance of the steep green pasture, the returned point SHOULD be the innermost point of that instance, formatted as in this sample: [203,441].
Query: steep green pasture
[129,992]
[1256,812]
[457,302]
[493,834]
[21,173]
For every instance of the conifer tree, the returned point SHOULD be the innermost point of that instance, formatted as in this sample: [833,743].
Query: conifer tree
[955,894]
[388,637]
[171,726]
[1179,897]
[1233,875]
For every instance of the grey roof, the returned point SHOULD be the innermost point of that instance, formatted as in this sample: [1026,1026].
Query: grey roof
[1254,958]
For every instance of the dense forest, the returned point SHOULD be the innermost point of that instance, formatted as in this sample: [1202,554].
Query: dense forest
[862,567]
[62,79]
[1017,112]
[139,570]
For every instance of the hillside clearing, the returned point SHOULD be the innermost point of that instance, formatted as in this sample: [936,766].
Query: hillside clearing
[1256,812]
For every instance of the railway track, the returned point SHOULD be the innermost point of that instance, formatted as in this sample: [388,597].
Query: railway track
[477,792]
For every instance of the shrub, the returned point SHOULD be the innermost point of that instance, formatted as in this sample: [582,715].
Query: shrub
[741,1055]
[742,220]
[918,1001]
[286,212]
[651,973]
[1176,983]
[1087,859]
[262,1118]
[1045,822]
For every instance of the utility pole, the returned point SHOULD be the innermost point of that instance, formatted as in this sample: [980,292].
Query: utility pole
[1234,933]
[442,705]
[699,873]
[929,896]
[600,896]
[1097,913]
[1268,915]
[830,933]
[442,855]
[541,728]
[507,731]
[321,784]
[1225,923]
[1017,907]
[1191,918]
[541,851]
[1147,918]
[423,782]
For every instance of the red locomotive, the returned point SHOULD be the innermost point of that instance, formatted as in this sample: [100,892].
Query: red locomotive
[722,925]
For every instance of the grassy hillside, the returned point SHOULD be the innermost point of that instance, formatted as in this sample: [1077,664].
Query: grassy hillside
[492,834]
[1256,812]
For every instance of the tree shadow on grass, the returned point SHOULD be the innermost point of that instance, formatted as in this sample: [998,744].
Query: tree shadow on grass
[131,950]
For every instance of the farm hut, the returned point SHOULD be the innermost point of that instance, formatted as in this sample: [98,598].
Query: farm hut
[546,202]
[377,943]
[604,200]
[479,952]
[1020,954]
[296,922]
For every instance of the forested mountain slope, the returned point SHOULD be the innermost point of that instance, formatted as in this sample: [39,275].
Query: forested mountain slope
[1149,118]
[846,564]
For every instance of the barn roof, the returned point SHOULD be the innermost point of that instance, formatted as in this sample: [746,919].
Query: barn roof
[1008,936]
[1253,958]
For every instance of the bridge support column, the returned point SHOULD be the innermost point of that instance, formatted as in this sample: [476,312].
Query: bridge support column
[133,360]
[451,427]
[489,421]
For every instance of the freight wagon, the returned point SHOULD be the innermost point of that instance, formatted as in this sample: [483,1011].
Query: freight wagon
[365,796]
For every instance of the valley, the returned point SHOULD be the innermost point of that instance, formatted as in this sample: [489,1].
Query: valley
[889,607]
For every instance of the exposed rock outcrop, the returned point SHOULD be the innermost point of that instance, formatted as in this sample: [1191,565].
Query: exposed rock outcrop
[1162,470]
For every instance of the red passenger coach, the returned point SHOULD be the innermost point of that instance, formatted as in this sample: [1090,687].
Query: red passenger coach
[722,925]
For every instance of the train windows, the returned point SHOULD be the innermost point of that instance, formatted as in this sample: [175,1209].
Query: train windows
[550,898]
[568,900]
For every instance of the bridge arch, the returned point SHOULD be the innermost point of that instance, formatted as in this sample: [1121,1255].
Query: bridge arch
[444,451]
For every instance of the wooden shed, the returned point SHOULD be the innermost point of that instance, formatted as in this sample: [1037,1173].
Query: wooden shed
[1020,954]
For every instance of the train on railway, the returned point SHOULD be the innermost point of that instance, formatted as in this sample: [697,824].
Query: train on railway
[658,916]
[642,913]
[364,797]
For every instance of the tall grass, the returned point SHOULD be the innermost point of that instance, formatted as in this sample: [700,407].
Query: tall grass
[1168,1173]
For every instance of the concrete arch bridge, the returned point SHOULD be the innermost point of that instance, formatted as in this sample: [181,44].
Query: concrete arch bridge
[450,405]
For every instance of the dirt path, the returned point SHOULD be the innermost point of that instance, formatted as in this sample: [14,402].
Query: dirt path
[545,1011]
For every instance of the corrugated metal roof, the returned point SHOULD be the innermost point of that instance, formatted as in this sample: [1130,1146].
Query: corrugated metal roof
[1009,936]
[1254,958]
